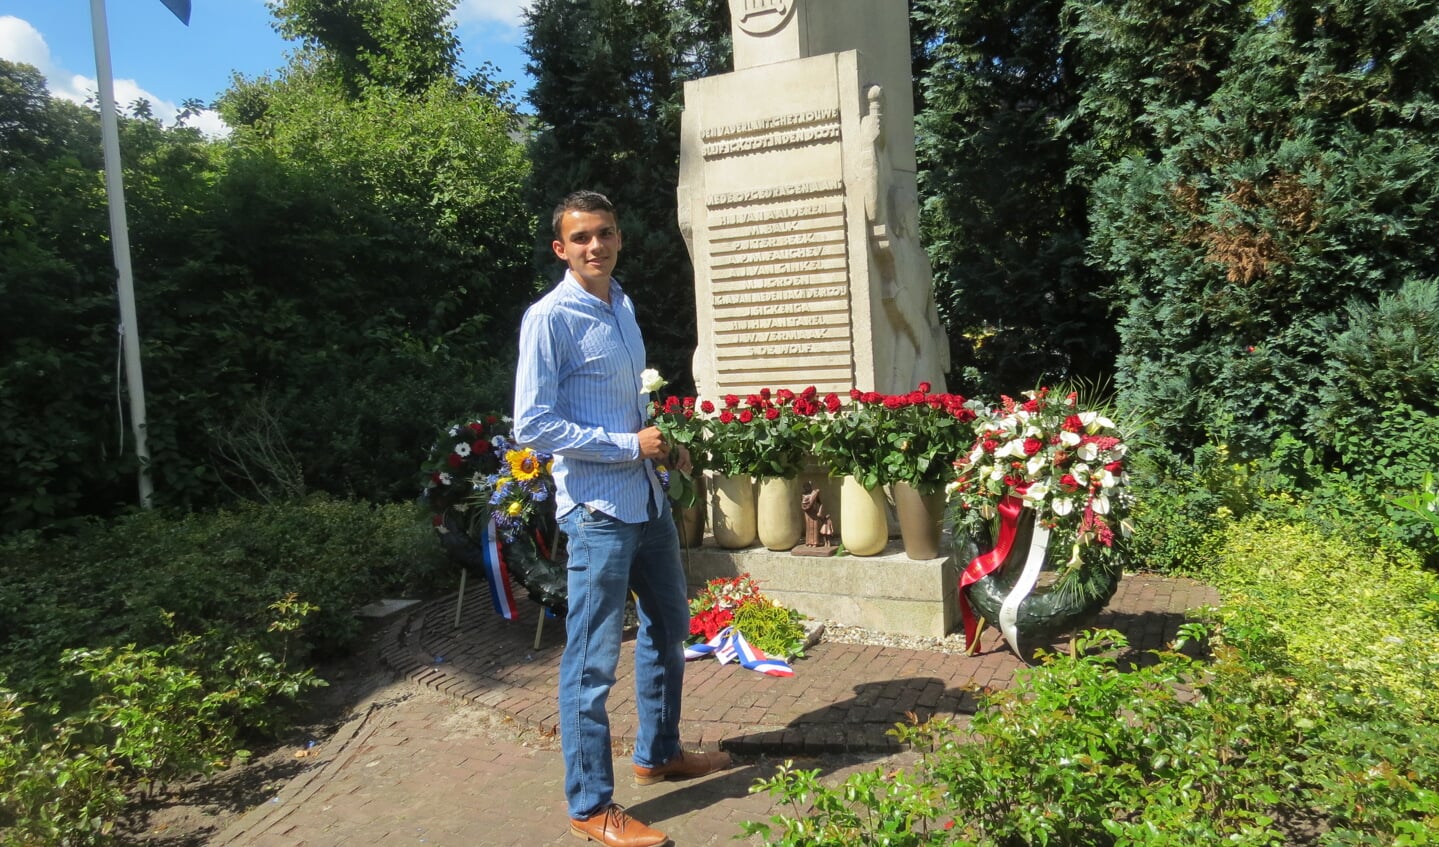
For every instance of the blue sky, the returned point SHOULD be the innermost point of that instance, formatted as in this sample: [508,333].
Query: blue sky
[155,56]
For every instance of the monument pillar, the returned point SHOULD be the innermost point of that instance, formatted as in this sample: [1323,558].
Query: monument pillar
[798,203]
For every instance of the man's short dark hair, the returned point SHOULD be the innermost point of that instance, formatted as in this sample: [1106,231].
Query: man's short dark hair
[581,201]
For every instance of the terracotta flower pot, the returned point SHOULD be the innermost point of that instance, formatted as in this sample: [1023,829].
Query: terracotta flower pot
[920,517]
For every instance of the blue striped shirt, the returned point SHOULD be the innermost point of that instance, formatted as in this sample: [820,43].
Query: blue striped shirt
[577,395]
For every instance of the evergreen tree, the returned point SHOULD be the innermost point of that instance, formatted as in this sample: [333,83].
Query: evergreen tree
[608,95]
[1004,229]
[1303,188]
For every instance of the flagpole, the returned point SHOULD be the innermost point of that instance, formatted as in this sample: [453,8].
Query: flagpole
[120,242]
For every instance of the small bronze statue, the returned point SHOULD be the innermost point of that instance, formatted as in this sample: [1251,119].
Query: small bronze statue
[818,525]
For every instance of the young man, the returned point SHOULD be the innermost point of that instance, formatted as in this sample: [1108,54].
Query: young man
[578,396]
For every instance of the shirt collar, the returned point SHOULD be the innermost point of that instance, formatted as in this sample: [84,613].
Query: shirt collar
[573,289]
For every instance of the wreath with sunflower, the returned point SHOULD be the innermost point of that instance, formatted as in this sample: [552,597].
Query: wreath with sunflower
[485,476]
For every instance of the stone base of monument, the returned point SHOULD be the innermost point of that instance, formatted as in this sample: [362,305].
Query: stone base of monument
[889,592]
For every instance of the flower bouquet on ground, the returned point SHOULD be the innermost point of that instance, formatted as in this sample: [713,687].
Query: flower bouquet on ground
[1043,486]
[737,603]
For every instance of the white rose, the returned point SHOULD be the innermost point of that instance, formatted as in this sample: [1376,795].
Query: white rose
[651,381]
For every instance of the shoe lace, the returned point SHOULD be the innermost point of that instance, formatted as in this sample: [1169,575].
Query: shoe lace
[616,818]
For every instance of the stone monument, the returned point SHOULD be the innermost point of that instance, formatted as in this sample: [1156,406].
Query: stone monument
[798,203]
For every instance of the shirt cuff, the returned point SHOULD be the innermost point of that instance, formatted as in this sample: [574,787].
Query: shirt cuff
[628,442]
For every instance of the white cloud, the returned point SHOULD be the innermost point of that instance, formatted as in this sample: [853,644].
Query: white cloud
[507,12]
[21,42]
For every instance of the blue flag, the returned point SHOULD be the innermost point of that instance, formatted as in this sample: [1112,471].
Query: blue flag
[181,8]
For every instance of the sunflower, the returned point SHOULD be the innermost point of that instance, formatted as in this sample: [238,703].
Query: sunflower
[524,464]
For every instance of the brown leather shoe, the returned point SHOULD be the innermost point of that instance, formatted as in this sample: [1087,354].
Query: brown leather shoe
[683,766]
[614,827]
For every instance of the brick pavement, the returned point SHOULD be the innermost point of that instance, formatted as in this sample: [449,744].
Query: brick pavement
[427,767]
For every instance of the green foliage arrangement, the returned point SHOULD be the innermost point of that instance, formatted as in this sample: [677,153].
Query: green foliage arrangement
[738,602]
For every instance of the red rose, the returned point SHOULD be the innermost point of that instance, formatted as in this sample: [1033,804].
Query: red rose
[872,397]
[893,401]
[1114,467]
[480,446]
[1069,483]
[990,445]
[771,413]
[1031,405]
[746,416]
[731,400]
[689,402]
[809,392]
[726,416]
[455,460]
[476,426]
[707,407]
[1032,446]
[1072,424]
[672,404]
[855,394]
[832,403]
[924,388]
[764,393]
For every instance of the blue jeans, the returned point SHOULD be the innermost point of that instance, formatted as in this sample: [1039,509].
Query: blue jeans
[608,559]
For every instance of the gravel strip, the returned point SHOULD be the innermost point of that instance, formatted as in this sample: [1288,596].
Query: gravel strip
[844,634]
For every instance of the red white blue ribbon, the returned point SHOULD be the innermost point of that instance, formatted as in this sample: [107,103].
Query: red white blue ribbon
[729,645]
[498,575]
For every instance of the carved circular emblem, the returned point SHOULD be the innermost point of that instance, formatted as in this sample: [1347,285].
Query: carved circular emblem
[762,17]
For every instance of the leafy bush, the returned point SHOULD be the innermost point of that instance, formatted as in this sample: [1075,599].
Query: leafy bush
[142,578]
[1178,752]
[153,647]
[1368,619]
